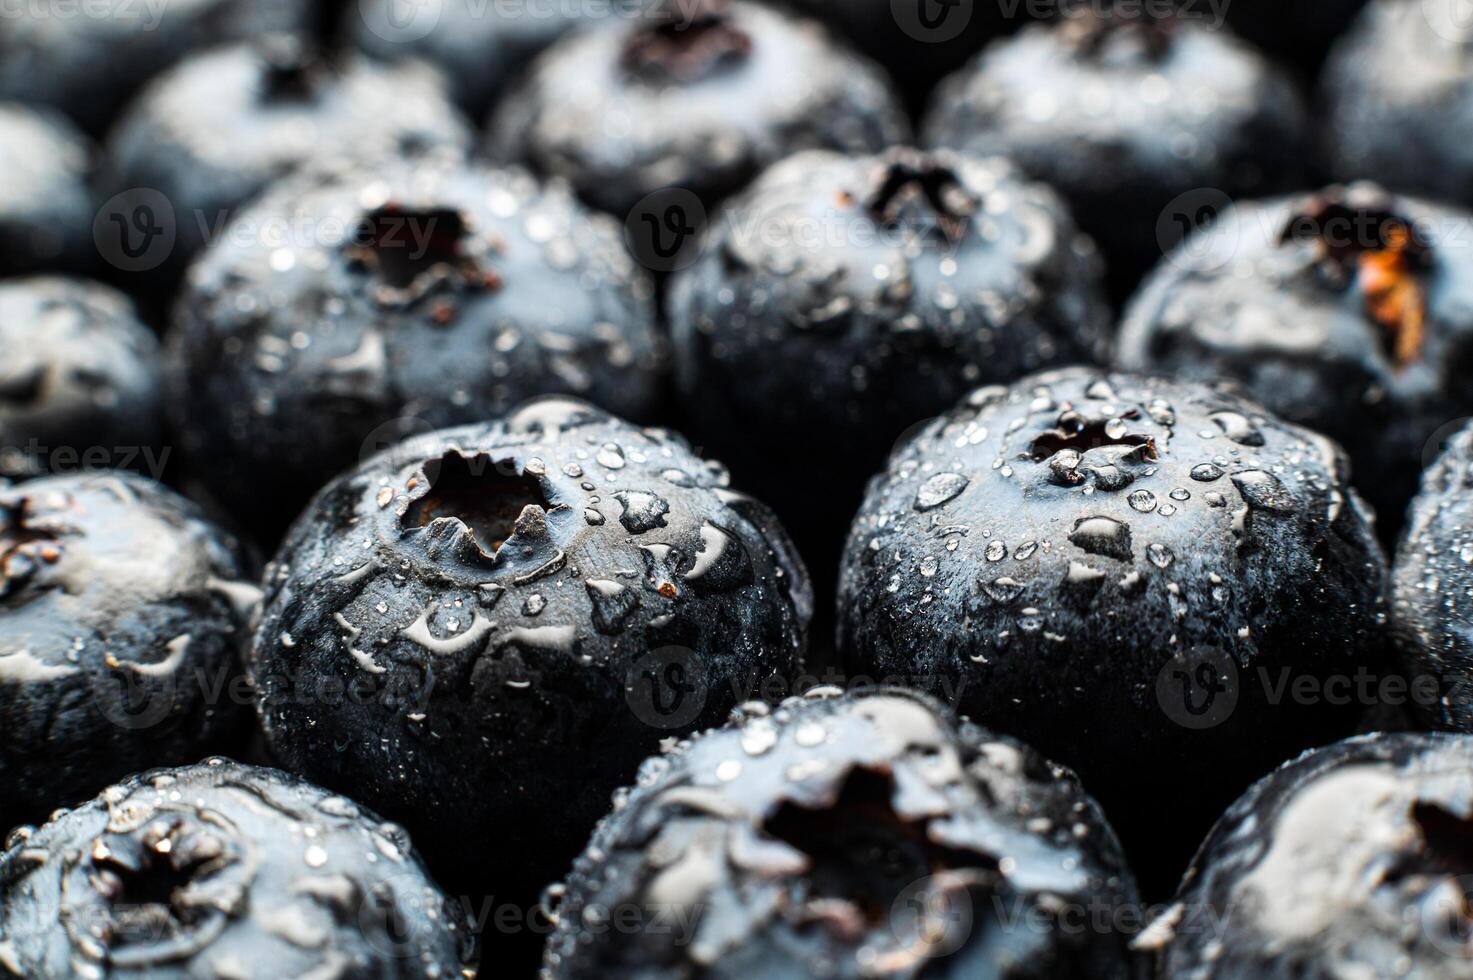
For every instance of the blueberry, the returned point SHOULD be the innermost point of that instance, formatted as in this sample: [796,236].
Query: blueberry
[222,870]
[80,383]
[480,46]
[1432,583]
[1123,572]
[520,611]
[841,299]
[1352,860]
[121,616]
[1395,100]
[410,299]
[213,132]
[1338,310]
[89,62]
[45,205]
[701,102]
[858,836]
[1123,113]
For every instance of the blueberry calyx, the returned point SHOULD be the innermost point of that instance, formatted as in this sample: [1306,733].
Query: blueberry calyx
[27,539]
[912,178]
[411,251]
[293,69]
[1065,448]
[1093,33]
[1358,237]
[481,506]
[672,51]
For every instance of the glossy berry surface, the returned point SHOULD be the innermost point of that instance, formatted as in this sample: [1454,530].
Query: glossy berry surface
[840,300]
[701,102]
[481,47]
[1108,567]
[1397,102]
[81,381]
[524,609]
[865,835]
[222,870]
[422,298]
[213,132]
[1350,861]
[1122,114]
[88,66]
[45,204]
[1349,311]
[1432,583]
[121,618]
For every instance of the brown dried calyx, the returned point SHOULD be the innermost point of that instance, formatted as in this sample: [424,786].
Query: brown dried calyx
[681,51]
[409,251]
[911,177]
[1360,239]
[1089,30]
[27,540]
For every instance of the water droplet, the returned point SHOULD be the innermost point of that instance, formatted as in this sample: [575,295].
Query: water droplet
[1206,472]
[1143,501]
[1160,555]
[643,511]
[939,489]
[996,551]
[1102,536]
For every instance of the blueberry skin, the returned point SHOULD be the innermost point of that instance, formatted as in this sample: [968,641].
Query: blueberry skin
[839,300]
[1068,555]
[848,836]
[704,107]
[89,66]
[1238,300]
[501,597]
[121,617]
[480,47]
[222,869]
[1348,861]
[421,298]
[46,207]
[1432,584]
[215,131]
[1122,117]
[81,373]
[1398,126]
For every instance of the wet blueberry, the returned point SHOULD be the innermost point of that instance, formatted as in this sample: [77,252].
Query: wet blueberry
[519,611]
[216,130]
[412,299]
[1349,311]
[80,382]
[701,98]
[222,870]
[1350,861]
[1432,583]
[480,46]
[88,60]
[1122,572]
[866,835]
[45,205]
[840,300]
[1123,111]
[121,613]
[1397,105]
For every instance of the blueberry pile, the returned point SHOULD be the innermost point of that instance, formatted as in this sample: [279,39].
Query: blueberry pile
[725,489]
